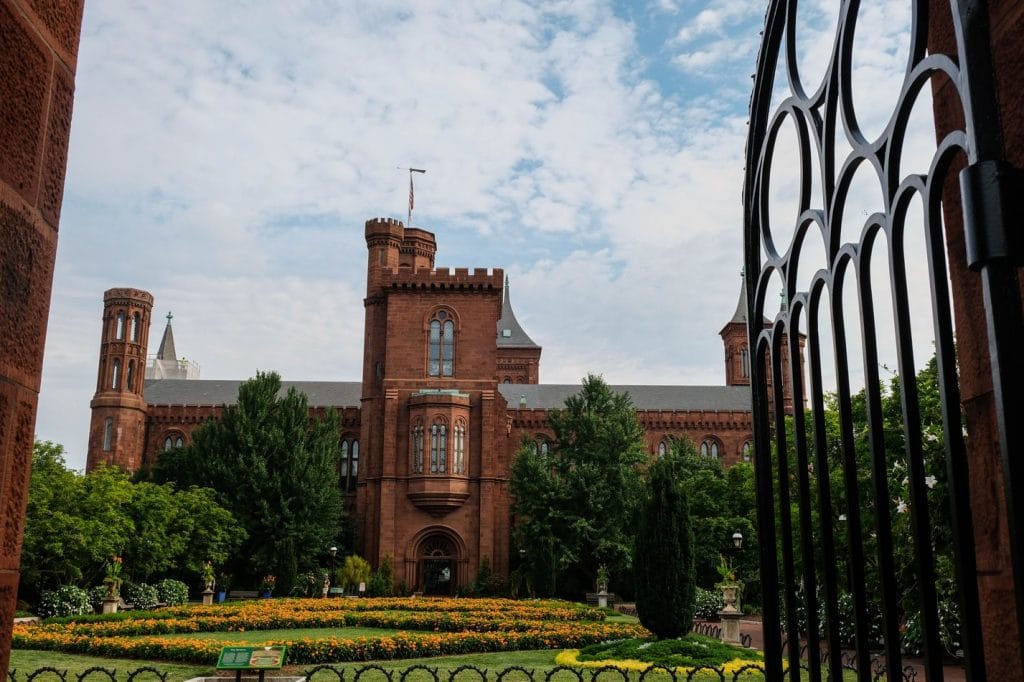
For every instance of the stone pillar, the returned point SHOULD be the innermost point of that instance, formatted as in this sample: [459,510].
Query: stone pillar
[207,597]
[110,605]
[37,83]
[1003,657]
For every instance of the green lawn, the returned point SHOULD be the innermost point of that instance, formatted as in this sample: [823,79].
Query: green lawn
[25,661]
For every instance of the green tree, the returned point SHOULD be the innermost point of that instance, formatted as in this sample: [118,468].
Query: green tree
[663,562]
[75,524]
[575,505]
[276,469]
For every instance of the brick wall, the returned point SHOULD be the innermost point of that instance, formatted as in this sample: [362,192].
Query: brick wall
[38,58]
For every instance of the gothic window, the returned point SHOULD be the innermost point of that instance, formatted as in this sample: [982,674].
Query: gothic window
[130,376]
[119,329]
[438,447]
[417,448]
[108,434]
[507,380]
[709,448]
[173,440]
[662,448]
[540,445]
[442,345]
[744,362]
[179,442]
[135,328]
[459,458]
[116,383]
[168,443]
[348,466]
[748,451]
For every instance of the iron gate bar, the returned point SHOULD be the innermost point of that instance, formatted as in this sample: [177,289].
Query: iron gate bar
[829,102]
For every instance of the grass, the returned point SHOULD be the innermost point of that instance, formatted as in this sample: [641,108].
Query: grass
[688,651]
[27,660]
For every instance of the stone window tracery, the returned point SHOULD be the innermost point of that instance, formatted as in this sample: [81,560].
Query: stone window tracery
[173,440]
[348,465]
[438,447]
[709,448]
[417,448]
[441,352]
[459,459]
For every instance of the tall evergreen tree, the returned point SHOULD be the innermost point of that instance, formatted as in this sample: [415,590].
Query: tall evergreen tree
[575,505]
[276,469]
[663,562]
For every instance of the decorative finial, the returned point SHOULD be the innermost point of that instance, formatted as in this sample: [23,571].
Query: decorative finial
[170,315]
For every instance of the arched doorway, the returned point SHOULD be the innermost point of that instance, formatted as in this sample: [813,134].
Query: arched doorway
[438,561]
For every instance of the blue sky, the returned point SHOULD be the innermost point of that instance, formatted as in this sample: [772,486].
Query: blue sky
[224,156]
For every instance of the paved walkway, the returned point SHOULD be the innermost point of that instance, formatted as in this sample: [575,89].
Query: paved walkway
[951,673]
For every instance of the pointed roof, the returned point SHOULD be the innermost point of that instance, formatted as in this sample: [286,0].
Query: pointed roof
[166,350]
[510,333]
[740,316]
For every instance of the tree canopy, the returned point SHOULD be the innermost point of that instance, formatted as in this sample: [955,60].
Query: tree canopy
[575,504]
[74,524]
[276,468]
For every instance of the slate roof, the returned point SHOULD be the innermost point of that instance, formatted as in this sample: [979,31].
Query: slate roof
[708,398]
[217,392]
[517,337]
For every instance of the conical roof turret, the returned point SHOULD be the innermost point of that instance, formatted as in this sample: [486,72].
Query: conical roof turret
[510,333]
[166,350]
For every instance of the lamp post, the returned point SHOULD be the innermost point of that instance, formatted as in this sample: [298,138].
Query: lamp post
[334,554]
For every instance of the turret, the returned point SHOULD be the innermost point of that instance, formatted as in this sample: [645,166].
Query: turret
[117,429]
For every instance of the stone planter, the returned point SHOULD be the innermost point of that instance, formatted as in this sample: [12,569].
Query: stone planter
[110,604]
[207,597]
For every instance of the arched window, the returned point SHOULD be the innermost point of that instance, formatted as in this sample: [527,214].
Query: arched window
[662,448]
[116,383]
[130,376]
[119,329]
[417,448]
[441,355]
[348,465]
[748,451]
[168,443]
[507,380]
[744,362]
[135,328]
[459,458]
[438,447]
[179,442]
[540,445]
[108,434]
[709,448]
[173,440]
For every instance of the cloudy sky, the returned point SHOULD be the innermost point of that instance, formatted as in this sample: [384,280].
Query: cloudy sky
[225,155]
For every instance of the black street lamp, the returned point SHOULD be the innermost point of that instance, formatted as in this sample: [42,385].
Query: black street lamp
[737,540]
[334,554]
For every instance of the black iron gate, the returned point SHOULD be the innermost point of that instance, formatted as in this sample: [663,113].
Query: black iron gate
[866,509]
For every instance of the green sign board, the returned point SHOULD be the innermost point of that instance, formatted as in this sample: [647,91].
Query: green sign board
[250,657]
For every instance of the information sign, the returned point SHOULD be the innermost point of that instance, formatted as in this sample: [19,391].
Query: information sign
[250,657]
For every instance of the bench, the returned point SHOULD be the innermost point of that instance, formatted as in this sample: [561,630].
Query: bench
[243,594]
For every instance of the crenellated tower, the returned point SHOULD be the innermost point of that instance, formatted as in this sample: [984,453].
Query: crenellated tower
[118,426]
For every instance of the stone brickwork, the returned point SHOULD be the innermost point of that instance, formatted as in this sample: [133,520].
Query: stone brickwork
[38,57]
[1001,635]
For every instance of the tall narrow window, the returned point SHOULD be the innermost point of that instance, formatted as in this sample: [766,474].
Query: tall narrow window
[441,345]
[662,448]
[179,442]
[748,451]
[168,443]
[709,448]
[745,362]
[442,451]
[459,458]
[417,449]
[135,328]
[433,448]
[116,382]
[119,330]
[108,434]
[353,470]
[343,466]
[130,376]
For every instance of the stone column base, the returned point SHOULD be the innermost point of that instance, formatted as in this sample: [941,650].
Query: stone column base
[730,626]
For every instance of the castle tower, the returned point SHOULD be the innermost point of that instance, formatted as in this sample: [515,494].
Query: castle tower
[738,354]
[518,357]
[118,427]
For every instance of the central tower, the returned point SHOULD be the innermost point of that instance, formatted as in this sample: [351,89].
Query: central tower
[433,493]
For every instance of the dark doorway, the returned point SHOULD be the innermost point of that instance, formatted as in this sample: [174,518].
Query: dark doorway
[437,559]
[437,576]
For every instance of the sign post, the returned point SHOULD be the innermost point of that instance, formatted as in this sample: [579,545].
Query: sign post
[260,658]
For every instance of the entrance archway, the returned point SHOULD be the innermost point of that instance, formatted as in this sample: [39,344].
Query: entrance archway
[437,563]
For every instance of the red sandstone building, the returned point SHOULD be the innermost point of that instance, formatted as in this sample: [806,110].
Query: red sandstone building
[450,387]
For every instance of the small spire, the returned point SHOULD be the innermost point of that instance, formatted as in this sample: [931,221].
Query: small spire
[784,301]
[166,349]
[170,316]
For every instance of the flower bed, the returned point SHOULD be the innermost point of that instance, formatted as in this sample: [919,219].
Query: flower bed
[445,627]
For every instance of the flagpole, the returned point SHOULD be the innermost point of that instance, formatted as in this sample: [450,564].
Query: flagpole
[408,218]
